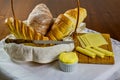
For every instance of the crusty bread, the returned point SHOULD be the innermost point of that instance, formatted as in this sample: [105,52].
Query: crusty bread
[65,23]
[72,15]
[22,31]
[63,26]
[65,19]
[40,18]
[51,36]
[57,33]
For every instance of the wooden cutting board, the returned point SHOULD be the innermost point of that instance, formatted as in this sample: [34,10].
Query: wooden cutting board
[86,59]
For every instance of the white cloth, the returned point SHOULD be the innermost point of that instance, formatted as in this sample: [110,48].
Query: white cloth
[37,54]
[33,71]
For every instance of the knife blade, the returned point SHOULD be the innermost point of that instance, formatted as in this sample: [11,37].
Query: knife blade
[52,42]
[20,41]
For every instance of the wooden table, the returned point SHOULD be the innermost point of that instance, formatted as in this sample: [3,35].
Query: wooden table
[103,15]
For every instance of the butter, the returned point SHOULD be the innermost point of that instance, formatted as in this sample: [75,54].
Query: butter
[85,52]
[68,57]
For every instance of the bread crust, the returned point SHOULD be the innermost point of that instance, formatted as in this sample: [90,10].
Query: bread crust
[65,23]
[40,18]
[72,14]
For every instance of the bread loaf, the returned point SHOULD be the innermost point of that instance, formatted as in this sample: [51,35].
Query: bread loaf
[72,15]
[22,31]
[65,23]
[40,18]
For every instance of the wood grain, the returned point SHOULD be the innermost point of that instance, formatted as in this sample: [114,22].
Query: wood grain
[103,16]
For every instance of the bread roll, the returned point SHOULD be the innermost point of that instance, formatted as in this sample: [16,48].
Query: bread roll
[65,24]
[40,18]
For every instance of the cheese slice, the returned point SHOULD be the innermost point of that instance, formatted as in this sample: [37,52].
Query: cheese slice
[95,39]
[81,42]
[85,41]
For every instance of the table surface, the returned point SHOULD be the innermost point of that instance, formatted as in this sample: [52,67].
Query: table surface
[103,16]
[12,70]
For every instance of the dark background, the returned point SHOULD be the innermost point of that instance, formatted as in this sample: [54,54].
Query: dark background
[103,15]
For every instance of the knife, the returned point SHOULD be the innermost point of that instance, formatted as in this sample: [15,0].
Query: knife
[20,41]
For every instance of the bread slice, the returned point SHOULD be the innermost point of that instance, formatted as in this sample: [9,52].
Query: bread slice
[51,36]
[11,28]
[22,31]
[57,33]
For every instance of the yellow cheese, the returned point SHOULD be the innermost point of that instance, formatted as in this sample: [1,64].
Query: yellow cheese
[68,57]
[95,39]
[98,53]
[106,52]
[85,41]
[81,42]
[85,52]
[92,39]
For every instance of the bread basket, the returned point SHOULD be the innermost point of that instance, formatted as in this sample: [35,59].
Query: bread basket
[22,52]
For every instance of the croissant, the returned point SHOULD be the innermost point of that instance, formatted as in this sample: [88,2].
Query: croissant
[65,23]
[40,18]
[22,31]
